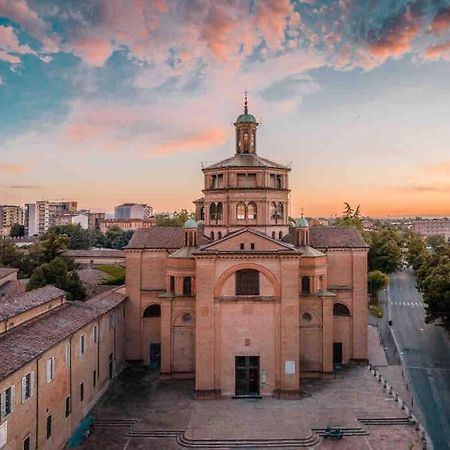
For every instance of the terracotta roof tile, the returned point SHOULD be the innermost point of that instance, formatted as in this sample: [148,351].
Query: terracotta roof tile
[5,271]
[331,237]
[11,306]
[162,237]
[95,252]
[24,343]
[12,288]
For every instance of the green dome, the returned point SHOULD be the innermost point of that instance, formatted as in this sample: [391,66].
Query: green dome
[190,223]
[243,118]
[302,222]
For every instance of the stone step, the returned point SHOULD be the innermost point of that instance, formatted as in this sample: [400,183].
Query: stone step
[225,443]
[387,421]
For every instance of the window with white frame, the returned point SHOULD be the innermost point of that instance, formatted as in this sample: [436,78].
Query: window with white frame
[7,398]
[82,344]
[50,369]
[27,386]
[95,334]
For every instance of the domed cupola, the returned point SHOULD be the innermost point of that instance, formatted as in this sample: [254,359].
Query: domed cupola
[302,232]
[246,125]
[190,233]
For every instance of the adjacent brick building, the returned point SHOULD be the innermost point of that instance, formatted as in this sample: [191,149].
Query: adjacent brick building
[56,360]
[241,299]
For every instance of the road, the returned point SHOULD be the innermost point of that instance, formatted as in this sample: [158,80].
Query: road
[425,351]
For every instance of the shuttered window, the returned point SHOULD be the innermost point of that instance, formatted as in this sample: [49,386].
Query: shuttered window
[27,386]
[7,401]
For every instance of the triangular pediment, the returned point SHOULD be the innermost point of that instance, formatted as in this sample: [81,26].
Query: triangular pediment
[245,237]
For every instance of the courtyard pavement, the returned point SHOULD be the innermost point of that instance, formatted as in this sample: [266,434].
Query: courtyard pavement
[142,412]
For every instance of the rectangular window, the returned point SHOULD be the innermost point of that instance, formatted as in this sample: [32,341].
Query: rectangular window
[252,246]
[68,406]
[187,286]
[247,282]
[172,284]
[278,182]
[95,334]
[82,344]
[67,355]
[27,386]
[94,378]
[26,443]
[7,401]
[49,426]
[251,180]
[50,369]
[242,246]
[241,180]
[81,392]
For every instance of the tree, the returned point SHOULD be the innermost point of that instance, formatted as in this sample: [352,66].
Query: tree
[377,281]
[9,255]
[177,219]
[78,237]
[433,280]
[56,272]
[385,252]
[52,245]
[438,240]
[116,238]
[350,218]
[416,250]
[17,230]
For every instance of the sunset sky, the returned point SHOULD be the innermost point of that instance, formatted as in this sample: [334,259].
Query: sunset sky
[108,101]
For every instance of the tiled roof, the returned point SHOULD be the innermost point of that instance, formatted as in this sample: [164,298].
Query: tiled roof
[95,253]
[10,307]
[331,237]
[162,237]
[5,271]
[246,160]
[12,288]
[25,342]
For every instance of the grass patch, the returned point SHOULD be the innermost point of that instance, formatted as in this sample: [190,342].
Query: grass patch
[116,274]
[376,311]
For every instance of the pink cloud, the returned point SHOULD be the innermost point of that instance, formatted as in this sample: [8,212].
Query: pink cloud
[397,40]
[19,12]
[94,50]
[198,141]
[13,168]
[9,43]
[438,51]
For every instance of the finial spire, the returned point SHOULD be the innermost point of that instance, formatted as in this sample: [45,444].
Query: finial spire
[245,103]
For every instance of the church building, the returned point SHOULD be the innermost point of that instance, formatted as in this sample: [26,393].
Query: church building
[241,299]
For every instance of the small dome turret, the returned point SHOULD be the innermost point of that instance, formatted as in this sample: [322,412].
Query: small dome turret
[302,222]
[190,223]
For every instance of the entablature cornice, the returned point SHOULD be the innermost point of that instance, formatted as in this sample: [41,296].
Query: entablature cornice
[248,299]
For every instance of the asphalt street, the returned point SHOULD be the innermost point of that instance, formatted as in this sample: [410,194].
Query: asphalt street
[424,350]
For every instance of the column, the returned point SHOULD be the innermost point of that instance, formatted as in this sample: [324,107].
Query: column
[289,333]
[327,330]
[166,341]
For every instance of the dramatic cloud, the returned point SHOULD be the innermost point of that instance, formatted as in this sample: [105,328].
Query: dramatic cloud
[441,22]
[438,51]
[10,46]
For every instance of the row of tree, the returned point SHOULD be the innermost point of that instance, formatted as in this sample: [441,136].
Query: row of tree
[390,248]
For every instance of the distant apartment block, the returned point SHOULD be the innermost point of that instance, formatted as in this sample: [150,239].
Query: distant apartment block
[76,218]
[133,211]
[9,215]
[56,360]
[126,224]
[432,227]
[40,216]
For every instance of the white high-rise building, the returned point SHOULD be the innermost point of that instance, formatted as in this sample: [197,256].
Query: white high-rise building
[133,211]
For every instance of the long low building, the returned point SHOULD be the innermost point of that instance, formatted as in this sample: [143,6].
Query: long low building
[56,359]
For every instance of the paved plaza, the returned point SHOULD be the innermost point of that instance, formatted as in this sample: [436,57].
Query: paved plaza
[142,412]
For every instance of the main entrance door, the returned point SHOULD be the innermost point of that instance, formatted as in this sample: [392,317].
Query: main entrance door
[247,375]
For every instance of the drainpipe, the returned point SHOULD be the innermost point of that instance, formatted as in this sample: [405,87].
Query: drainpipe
[36,388]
